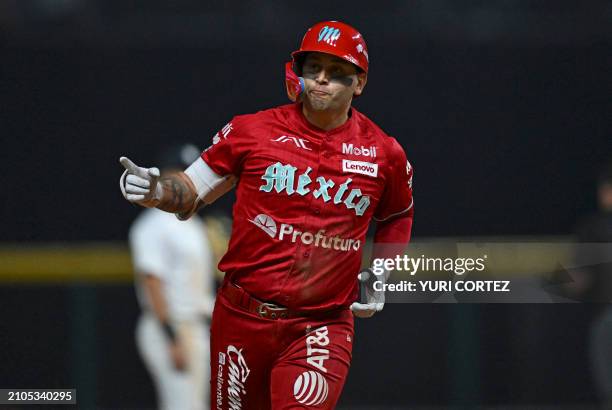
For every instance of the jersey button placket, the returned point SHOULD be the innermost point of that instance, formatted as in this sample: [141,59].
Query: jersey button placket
[326,152]
[312,202]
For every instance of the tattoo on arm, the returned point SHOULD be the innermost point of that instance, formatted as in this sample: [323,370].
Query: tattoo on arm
[179,194]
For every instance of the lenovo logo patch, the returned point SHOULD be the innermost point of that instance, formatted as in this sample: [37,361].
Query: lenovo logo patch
[360,167]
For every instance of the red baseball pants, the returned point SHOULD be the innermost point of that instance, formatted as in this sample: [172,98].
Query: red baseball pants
[295,363]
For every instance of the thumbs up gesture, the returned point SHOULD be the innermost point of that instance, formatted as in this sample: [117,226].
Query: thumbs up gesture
[140,185]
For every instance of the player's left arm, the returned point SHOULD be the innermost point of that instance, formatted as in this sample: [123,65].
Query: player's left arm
[390,239]
[394,216]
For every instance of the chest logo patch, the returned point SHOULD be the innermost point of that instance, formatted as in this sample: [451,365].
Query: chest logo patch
[265,223]
[299,142]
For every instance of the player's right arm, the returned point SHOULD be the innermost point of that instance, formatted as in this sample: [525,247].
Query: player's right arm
[208,178]
[181,193]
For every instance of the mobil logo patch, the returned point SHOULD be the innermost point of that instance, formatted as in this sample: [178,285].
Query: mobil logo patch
[360,167]
[350,149]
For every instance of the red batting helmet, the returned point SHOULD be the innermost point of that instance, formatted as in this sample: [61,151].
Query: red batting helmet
[331,37]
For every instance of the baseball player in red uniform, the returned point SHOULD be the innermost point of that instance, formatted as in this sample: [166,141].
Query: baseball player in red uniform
[309,176]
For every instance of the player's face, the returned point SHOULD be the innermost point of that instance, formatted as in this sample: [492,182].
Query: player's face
[330,82]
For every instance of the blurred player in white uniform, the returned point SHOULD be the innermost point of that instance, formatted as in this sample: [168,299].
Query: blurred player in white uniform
[174,268]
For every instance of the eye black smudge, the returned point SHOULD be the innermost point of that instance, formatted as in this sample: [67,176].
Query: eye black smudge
[346,81]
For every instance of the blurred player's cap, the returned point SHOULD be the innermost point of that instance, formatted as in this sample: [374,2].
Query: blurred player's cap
[336,38]
[178,156]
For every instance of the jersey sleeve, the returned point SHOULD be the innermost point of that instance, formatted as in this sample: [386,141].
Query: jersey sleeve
[229,147]
[397,195]
[148,249]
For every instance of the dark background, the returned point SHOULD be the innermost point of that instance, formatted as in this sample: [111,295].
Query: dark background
[503,108]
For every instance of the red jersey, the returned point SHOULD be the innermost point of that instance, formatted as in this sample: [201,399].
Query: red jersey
[304,200]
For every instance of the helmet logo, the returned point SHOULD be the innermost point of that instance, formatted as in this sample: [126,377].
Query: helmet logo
[361,50]
[330,35]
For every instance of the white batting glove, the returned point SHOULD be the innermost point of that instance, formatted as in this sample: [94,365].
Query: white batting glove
[374,300]
[139,185]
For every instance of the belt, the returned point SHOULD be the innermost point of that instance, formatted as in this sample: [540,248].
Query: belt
[242,298]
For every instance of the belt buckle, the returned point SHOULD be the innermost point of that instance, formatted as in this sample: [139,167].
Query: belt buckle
[265,308]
